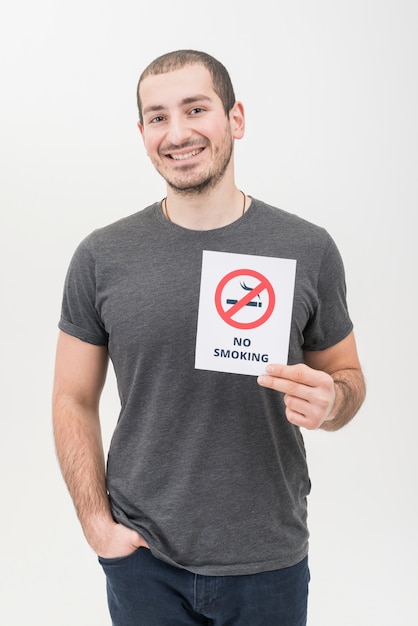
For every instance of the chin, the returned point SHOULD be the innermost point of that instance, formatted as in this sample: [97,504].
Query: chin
[189,185]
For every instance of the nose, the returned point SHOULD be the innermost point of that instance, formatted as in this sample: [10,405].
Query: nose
[178,131]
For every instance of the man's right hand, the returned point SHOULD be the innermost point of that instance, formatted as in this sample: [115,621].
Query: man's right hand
[112,540]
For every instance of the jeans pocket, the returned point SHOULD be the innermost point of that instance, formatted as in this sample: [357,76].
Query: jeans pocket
[119,560]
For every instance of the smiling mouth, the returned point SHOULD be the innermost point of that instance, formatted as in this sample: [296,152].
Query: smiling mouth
[186,155]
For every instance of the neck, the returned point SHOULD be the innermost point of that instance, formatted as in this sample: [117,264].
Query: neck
[205,212]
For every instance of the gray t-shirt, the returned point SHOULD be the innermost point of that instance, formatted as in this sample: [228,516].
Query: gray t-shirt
[203,464]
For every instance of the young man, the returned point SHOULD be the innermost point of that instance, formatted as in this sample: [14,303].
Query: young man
[201,515]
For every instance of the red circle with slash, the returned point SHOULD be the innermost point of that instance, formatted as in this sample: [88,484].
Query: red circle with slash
[227,315]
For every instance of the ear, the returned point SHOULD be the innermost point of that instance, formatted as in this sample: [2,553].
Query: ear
[237,119]
[141,129]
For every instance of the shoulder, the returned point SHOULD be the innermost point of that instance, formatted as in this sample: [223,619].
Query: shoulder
[125,225]
[121,232]
[290,226]
[275,214]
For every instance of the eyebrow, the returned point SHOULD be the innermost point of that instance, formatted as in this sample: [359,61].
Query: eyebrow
[185,101]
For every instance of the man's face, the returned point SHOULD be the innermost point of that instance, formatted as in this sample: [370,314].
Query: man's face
[186,132]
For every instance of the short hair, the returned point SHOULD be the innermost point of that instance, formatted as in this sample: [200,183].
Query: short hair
[178,59]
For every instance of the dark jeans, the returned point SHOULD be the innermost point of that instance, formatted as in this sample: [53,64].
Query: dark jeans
[145,591]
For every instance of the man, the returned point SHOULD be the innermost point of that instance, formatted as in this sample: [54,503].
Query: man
[201,515]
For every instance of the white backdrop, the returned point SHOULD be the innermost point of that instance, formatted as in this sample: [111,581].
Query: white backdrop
[330,90]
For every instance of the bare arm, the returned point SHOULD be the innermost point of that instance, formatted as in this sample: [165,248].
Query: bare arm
[80,375]
[324,392]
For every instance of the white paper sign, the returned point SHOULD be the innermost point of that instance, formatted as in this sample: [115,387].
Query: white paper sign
[245,312]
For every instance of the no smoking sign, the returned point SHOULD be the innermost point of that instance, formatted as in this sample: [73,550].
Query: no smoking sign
[245,299]
[245,312]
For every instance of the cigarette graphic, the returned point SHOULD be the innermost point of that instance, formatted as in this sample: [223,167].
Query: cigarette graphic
[251,303]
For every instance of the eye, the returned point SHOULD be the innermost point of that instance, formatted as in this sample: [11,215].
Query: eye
[196,110]
[156,119]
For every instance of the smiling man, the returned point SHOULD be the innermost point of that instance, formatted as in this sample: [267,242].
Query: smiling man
[200,516]
[188,138]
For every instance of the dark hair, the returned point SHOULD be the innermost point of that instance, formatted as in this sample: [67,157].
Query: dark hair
[180,58]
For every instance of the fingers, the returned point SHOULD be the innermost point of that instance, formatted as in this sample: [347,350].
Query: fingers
[295,380]
[308,393]
[122,541]
[139,542]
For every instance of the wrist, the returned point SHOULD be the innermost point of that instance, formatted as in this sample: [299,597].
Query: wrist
[332,421]
[98,530]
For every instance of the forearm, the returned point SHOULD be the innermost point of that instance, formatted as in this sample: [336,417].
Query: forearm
[80,453]
[80,374]
[350,391]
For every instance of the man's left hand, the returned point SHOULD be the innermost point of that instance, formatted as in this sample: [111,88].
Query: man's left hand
[309,394]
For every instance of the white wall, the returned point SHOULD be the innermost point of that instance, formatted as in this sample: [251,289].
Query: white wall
[330,89]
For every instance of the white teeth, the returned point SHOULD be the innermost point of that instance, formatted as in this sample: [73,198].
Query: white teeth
[180,157]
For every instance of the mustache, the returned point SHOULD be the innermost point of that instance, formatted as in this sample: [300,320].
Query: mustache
[182,146]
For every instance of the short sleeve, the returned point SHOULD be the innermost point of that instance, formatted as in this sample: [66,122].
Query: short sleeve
[331,320]
[79,314]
